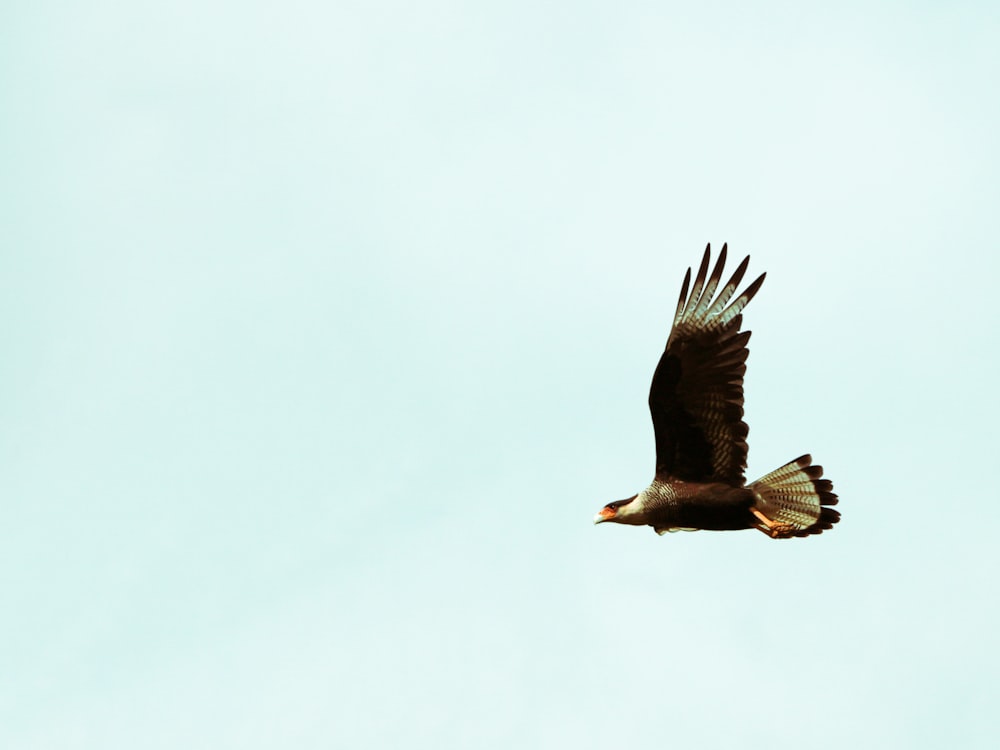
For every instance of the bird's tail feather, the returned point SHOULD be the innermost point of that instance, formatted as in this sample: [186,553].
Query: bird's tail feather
[795,494]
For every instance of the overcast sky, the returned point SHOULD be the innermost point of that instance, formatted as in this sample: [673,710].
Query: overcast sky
[326,328]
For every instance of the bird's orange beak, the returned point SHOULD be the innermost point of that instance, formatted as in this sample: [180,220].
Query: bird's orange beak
[605,514]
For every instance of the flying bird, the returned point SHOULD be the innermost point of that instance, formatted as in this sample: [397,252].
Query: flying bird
[696,400]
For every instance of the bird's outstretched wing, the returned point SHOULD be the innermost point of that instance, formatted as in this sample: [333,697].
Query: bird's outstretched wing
[696,398]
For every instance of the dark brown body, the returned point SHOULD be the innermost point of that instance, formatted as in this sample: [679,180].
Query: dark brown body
[694,505]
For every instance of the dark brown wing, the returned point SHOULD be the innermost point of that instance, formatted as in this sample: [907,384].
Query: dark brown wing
[696,398]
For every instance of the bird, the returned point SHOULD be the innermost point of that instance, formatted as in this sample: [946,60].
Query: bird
[696,402]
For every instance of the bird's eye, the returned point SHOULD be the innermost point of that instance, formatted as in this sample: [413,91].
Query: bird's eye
[611,506]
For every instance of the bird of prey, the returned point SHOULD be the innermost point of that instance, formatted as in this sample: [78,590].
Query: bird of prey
[696,400]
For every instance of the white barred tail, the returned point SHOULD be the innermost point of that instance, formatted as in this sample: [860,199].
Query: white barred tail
[795,494]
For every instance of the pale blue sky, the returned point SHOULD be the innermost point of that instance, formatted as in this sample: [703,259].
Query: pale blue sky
[327,327]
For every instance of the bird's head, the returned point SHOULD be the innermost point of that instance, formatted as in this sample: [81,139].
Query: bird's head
[616,512]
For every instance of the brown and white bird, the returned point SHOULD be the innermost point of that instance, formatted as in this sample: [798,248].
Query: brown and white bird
[696,400]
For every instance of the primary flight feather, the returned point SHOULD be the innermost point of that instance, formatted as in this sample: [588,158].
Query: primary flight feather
[696,401]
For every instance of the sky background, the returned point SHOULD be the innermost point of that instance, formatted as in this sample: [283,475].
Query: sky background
[328,326]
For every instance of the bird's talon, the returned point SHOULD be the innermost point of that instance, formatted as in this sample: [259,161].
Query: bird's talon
[781,530]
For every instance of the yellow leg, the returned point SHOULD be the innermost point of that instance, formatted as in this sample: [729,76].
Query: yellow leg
[774,529]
